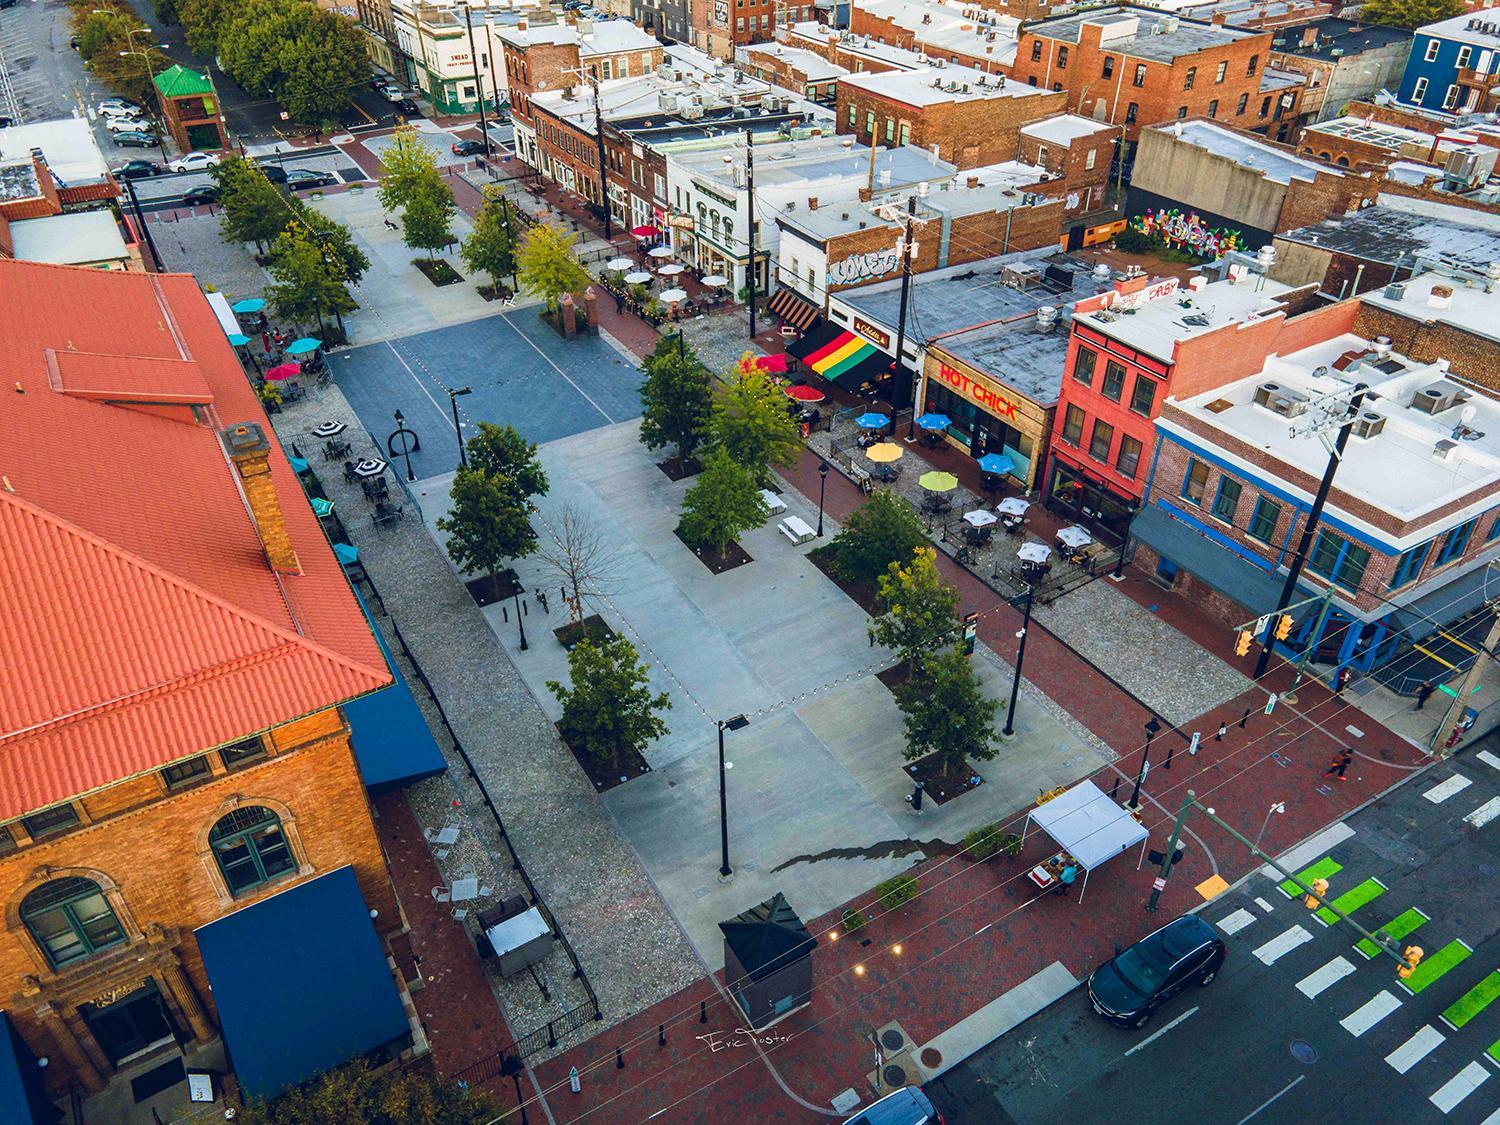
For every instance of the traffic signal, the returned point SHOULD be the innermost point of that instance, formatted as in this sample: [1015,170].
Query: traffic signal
[1242,643]
[1284,627]
[1409,961]
[1321,887]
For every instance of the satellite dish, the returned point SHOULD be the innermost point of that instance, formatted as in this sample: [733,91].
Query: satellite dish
[1466,415]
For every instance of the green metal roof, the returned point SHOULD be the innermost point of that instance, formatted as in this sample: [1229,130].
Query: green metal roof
[178,81]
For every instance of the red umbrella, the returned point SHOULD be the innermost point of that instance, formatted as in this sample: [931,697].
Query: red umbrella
[771,364]
[804,394]
[284,371]
[644,232]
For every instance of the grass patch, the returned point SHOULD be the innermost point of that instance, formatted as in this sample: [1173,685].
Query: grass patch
[1325,868]
[1436,964]
[1494,1051]
[1471,1003]
[1351,900]
[1402,925]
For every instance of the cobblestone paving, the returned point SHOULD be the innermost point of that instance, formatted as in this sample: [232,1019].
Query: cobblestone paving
[631,947]
[191,244]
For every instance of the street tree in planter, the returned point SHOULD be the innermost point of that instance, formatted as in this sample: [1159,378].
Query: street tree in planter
[581,560]
[919,611]
[609,712]
[502,452]
[303,288]
[491,246]
[356,1092]
[487,524]
[254,210]
[676,400]
[751,422]
[411,171]
[547,266]
[724,502]
[427,220]
[881,531]
[345,260]
[945,711]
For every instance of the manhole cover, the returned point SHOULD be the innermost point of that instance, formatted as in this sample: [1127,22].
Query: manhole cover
[932,1058]
[1304,1052]
[894,1076]
[892,1039]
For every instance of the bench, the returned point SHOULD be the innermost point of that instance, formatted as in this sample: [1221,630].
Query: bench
[796,529]
[862,478]
[775,505]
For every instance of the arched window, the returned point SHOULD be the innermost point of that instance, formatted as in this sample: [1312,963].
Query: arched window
[250,848]
[71,919]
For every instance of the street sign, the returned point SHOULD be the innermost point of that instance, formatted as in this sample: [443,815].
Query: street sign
[1271,703]
[1193,746]
[1260,624]
[1159,884]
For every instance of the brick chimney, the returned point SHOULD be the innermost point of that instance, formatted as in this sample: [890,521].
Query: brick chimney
[972,182]
[1219,19]
[812,202]
[250,453]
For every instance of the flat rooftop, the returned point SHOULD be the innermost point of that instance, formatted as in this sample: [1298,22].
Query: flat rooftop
[19,181]
[1334,38]
[1273,163]
[804,164]
[68,143]
[811,31]
[813,66]
[932,85]
[1465,239]
[1480,28]
[1142,33]
[1156,326]
[999,190]
[1066,128]
[1392,137]
[1395,470]
[1469,309]
[73,239]
[597,37]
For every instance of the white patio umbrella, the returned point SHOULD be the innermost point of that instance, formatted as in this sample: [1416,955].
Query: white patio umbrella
[660,252]
[1034,552]
[1012,506]
[619,264]
[672,296]
[716,281]
[672,270]
[979,518]
[639,277]
[1075,537]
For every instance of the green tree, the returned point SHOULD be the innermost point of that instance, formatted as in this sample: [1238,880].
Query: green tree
[321,65]
[944,710]
[336,240]
[881,531]
[254,210]
[723,502]
[610,709]
[502,452]
[410,167]
[250,43]
[123,63]
[487,525]
[303,286]
[427,221]
[356,1093]
[1409,13]
[202,20]
[491,246]
[919,611]
[676,399]
[546,265]
[750,420]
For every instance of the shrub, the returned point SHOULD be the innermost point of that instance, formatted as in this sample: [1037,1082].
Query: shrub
[1011,844]
[895,892]
[854,921]
[983,842]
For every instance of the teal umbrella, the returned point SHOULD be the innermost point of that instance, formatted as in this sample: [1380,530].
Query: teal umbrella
[346,553]
[248,305]
[298,464]
[239,341]
[303,346]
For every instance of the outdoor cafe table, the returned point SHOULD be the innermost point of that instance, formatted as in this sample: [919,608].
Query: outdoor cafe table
[1074,537]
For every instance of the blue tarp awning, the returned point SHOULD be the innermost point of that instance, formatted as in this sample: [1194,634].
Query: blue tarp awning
[392,743]
[21,1097]
[301,983]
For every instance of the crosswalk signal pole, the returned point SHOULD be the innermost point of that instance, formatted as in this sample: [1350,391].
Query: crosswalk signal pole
[1166,863]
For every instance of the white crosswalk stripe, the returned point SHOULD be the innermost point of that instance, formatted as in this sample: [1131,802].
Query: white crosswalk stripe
[1324,978]
[1484,813]
[1358,1022]
[1282,944]
[1460,1086]
[1264,905]
[1234,923]
[1415,1049]
[1445,789]
[1490,760]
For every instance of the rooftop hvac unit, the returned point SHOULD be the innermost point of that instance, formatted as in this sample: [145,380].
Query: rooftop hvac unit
[1368,424]
[1469,167]
[1395,291]
[1280,400]
[1436,398]
[691,112]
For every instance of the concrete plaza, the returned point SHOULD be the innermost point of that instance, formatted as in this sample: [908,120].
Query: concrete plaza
[816,794]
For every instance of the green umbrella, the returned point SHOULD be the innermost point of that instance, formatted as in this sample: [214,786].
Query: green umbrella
[938,482]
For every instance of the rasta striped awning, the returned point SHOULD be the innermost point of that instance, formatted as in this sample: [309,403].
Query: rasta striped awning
[793,310]
[840,356]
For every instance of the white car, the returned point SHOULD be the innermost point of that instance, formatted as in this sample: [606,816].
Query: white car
[129,125]
[116,107]
[194,162]
[392,93]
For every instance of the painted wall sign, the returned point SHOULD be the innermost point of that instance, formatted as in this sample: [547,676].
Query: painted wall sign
[1187,232]
[1154,292]
[877,336]
[721,13]
[862,267]
[977,393]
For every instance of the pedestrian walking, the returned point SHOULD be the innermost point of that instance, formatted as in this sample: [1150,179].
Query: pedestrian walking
[620,303]
[1424,693]
[541,597]
[1221,732]
[277,338]
[1341,681]
[265,342]
[1244,718]
[1340,764]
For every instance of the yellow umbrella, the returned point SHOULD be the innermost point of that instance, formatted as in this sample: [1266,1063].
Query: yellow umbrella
[884,453]
[938,482]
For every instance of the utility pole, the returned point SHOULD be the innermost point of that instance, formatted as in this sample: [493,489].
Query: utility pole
[1455,713]
[1309,529]
[592,80]
[478,85]
[135,204]
[1166,863]
[906,250]
[750,189]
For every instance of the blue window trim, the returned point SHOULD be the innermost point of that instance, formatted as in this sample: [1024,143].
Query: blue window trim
[1409,564]
[1213,509]
[1210,532]
[1255,516]
[1332,575]
[1494,527]
[1455,543]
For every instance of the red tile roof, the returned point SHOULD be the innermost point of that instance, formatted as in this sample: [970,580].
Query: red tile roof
[141,622]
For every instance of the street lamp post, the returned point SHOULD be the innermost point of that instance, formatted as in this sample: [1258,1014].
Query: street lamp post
[1015,683]
[1278,807]
[405,443]
[739,722]
[454,393]
[1152,728]
[1119,573]
[515,589]
[822,484]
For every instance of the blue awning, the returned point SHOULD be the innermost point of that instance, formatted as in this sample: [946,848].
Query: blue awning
[301,983]
[21,1096]
[1208,560]
[393,744]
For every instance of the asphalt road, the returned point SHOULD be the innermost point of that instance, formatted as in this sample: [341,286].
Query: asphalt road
[1268,1041]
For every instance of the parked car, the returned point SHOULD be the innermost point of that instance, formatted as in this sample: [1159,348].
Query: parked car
[298,179]
[137,169]
[135,139]
[194,162]
[129,125]
[390,92]
[1127,989]
[205,193]
[906,1106]
[114,106]
[380,80]
[409,107]
[274,173]
[467,148]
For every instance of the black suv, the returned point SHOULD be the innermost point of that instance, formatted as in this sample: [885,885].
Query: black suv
[1127,989]
[138,169]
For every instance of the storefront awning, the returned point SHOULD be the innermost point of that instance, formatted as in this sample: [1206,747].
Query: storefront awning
[1236,578]
[815,340]
[841,357]
[793,309]
[393,745]
[21,1097]
[301,983]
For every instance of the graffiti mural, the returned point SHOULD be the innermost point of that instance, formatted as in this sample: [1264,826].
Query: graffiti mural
[861,267]
[1187,232]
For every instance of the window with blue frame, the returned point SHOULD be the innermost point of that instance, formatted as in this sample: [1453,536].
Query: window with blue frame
[1494,528]
[1195,480]
[1341,562]
[1409,565]
[1454,543]
[1227,499]
[1263,520]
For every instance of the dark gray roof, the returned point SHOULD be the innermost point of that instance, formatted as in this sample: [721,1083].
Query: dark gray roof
[1334,34]
[1159,36]
[1384,234]
[767,938]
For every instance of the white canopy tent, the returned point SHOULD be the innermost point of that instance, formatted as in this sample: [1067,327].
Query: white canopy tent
[1088,826]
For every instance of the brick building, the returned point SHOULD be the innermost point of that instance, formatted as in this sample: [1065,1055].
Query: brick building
[1398,554]
[966,117]
[190,109]
[792,68]
[859,54]
[1136,67]
[1075,152]
[721,26]
[175,749]
[1342,61]
[1443,316]
[947,30]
